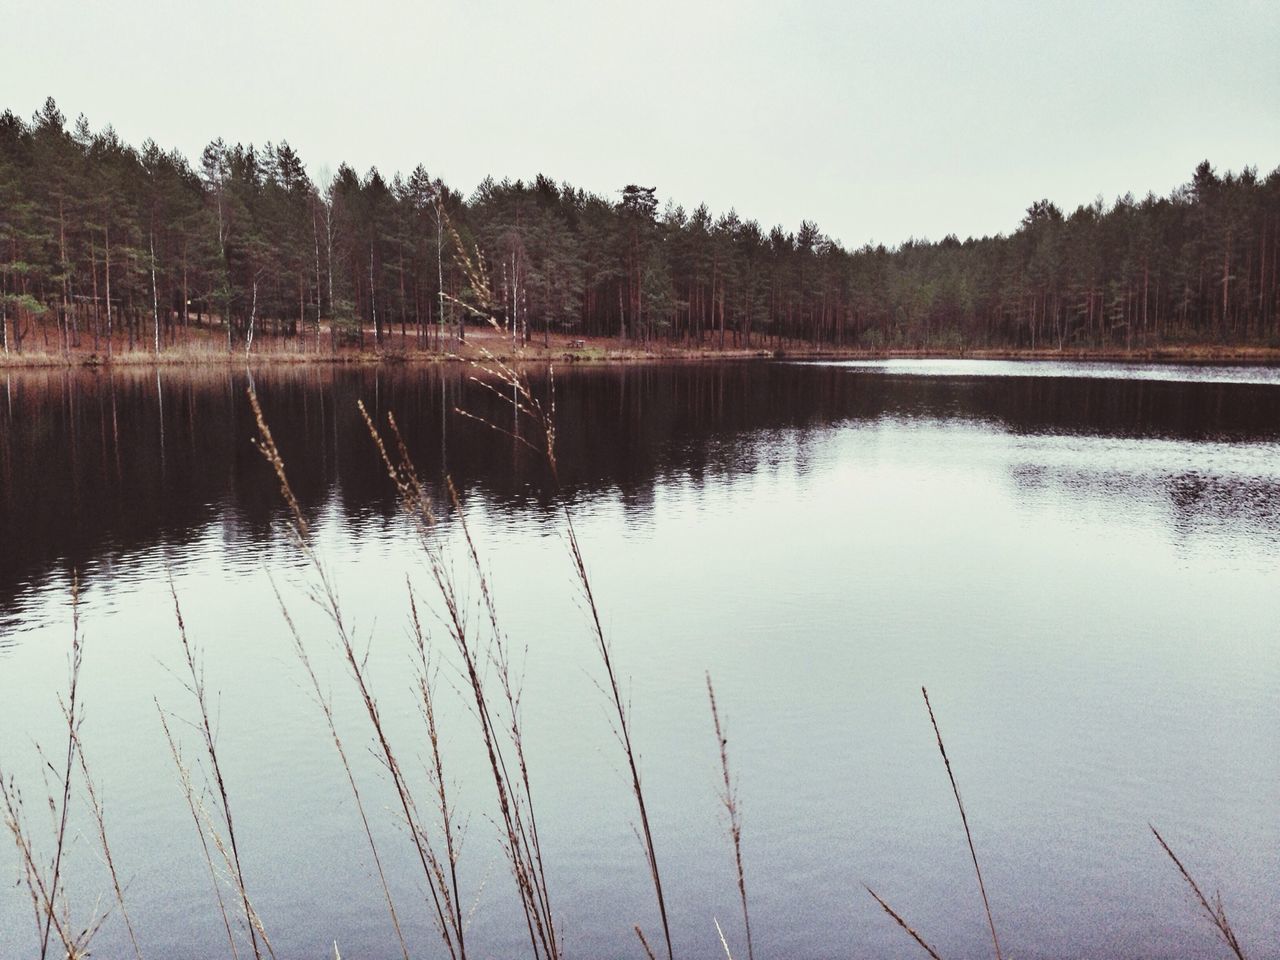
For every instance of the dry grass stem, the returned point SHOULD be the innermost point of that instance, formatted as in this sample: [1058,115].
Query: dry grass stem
[501,733]
[48,904]
[99,817]
[622,720]
[964,819]
[447,912]
[1213,910]
[525,404]
[426,688]
[15,822]
[903,924]
[326,707]
[723,942]
[648,950]
[196,687]
[72,719]
[729,799]
[199,817]
[46,886]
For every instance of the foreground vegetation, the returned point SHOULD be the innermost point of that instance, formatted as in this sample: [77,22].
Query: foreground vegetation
[107,247]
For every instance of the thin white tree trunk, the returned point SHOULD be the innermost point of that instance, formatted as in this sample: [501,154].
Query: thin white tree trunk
[4,316]
[222,241]
[155,297]
[328,232]
[315,234]
[253,315]
[440,268]
[328,239]
[62,257]
[106,235]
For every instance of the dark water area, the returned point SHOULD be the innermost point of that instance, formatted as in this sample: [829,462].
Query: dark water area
[98,462]
[1080,560]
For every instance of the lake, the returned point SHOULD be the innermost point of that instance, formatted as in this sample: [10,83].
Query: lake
[1080,562]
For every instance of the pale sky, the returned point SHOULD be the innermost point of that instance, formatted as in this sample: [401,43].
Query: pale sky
[880,121]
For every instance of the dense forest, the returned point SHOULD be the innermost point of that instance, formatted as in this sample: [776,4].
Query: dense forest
[106,246]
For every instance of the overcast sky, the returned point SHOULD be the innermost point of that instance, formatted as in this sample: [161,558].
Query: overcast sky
[881,121]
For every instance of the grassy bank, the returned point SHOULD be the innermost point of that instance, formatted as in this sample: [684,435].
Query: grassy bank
[487,345]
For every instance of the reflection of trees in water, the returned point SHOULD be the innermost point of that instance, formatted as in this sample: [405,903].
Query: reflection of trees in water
[1247,501]
[1191,497]
[98,462]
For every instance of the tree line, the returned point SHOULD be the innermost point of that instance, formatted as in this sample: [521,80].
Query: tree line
[108,246]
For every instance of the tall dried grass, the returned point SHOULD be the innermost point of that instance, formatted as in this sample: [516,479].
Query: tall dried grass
[1212,909]
[440,879]
[729,800]
[528,409]
[221,819]
[45,882]
[964,821]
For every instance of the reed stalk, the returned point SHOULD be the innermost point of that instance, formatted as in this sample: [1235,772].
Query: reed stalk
[196,687]
[964,820]
[729,800]
[426,689]
[46,886]
[72,719]
[99,818]
[903,923]
[203,825]
[1213,910]
[500,734]
[326,707]
[723,942]
[446,911]
[526,405]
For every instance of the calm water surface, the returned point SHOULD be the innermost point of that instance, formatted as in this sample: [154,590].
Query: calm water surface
[1080,561]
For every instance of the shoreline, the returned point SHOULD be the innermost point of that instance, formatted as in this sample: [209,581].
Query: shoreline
[605,351]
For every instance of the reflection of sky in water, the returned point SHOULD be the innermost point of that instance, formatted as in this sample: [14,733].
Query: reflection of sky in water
[1082,369]
[1094,616]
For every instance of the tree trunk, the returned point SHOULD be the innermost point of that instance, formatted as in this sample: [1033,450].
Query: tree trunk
[253,314]
[106,235]
[155,299]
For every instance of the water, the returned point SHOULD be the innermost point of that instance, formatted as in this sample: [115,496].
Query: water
[1079,561]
